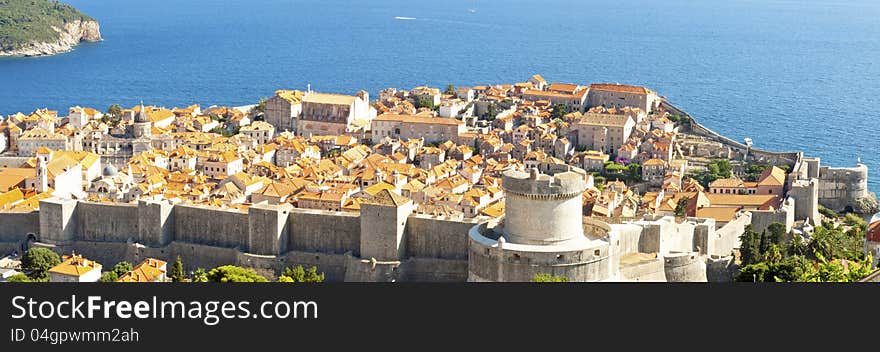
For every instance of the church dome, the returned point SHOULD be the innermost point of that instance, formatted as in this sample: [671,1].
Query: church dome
[109,171]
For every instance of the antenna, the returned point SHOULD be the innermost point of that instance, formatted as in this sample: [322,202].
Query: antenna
[309,87]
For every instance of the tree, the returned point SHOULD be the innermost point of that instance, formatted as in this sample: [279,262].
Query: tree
[797,247]
[260,108]
[750,248]
[491,112]
[854,220]
[298,274]
[38,261]
[828,213]
[232,273]
[450,89]
[200,275]
[19,278]
[114,110]
[424,102]
[122,267]
[635,172]
[717,168]
[109,276]
[559,110]
[543,277]
[177,273]
[681,207]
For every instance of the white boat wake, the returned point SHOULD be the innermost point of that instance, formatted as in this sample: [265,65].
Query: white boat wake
[404,18]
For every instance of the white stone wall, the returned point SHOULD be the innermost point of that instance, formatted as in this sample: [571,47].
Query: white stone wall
[534,221]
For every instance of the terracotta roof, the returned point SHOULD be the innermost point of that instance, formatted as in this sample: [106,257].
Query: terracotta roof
[605,120]
[722,214]
[772,176]
[873,233]
[548,94]
[761,201]
[620,88]
[388,198]
[564,87]
[654,162]
[732,182]
[326,98]
[75,265]
[418,119]
[147,271]
[292,96]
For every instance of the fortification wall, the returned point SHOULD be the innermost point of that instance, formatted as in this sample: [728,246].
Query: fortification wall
[269,266]
[333,265]
[721,269]
[761,219]
[105,253]
[428,237]
[15,226]
[325,232]
[106,222]
[492,261]
[839,188]
[727,237]
[649,271]
[434,270]
[677,238]
[777,158]
[629,236]
[211,226]
[685,267]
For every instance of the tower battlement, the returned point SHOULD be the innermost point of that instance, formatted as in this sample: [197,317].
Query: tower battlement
[536,185]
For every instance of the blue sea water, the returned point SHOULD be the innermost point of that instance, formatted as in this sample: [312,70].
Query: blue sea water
[791,75]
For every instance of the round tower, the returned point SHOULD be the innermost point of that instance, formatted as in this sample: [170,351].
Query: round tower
[543,232]
[543,209]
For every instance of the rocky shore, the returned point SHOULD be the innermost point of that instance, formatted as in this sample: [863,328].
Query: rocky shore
[71,34]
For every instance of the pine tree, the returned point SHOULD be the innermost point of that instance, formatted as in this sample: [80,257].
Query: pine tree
[177,274]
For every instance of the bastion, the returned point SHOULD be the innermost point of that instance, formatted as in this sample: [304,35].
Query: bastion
[543,232]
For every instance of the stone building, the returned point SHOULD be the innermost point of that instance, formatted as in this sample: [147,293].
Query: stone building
[75,268]
[432,129]
[573,100]
[283,109]
[335,114]
[621,95]
[604,132]
[653,172]
[35,138]
[260,131]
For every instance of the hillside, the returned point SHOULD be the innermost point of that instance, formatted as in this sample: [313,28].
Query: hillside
[43,27]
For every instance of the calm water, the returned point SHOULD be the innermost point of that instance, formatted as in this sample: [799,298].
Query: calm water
[792,75]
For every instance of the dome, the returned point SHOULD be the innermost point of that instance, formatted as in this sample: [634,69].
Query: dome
[109,171]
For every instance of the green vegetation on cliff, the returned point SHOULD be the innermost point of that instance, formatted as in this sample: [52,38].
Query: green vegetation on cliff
[30,21]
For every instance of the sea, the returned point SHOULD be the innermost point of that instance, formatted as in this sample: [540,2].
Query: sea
[790,75]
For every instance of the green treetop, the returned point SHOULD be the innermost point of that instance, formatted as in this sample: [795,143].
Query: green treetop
[31,21]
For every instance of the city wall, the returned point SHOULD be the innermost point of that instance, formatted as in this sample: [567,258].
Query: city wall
[267,238]
[777,158]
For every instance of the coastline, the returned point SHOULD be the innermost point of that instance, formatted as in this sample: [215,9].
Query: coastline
[72,34]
